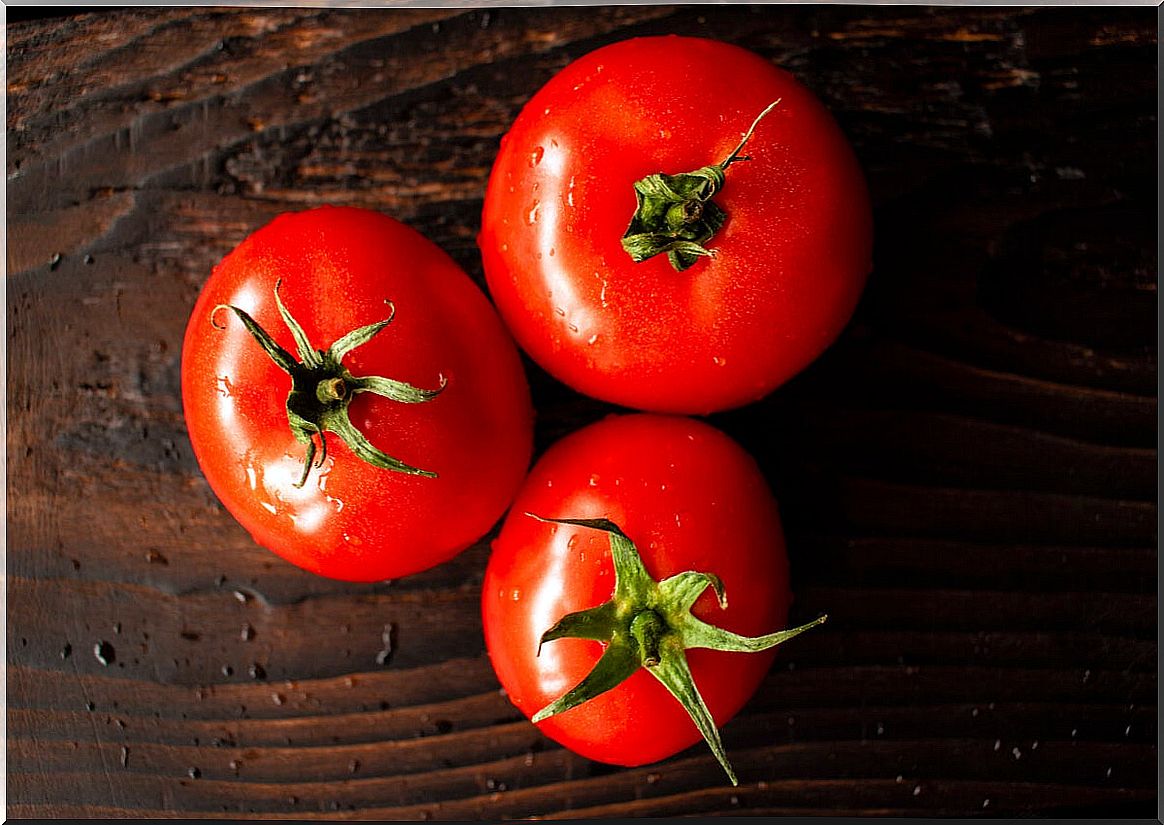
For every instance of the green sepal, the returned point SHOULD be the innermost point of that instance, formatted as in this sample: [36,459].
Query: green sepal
[597,624]
[395,390]
[701,634]
[617,663]
[310,357]
[675,674]
[337,422]
[283,359]
[322,389]
[631,579]
[358,337]
[649,624]
[675,214]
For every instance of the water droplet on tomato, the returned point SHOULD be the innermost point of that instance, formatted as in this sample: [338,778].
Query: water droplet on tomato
[573,327]
[592,339]
[515,595]
[719,361]
[532,217]
[572,542]
[594,479]
[536,157]
[560,311]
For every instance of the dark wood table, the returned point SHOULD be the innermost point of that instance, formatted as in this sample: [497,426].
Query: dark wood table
[968,477]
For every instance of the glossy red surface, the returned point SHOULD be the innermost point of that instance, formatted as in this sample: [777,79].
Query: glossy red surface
[790,263]
[339,267]
[691,499]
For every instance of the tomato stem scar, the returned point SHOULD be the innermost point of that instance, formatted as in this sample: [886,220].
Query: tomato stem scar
[322,388]
[648,623]
[675,214]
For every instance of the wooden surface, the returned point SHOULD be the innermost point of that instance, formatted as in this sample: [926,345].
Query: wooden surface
[968,477]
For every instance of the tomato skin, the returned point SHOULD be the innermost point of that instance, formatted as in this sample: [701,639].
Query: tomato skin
[351,520]
[691,499]
[791,260]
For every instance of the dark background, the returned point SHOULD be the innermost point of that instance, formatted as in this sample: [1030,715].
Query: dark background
[24,14]
[968,478]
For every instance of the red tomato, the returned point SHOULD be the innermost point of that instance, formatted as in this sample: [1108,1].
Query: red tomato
[789,263]
[339,270]
[690,499]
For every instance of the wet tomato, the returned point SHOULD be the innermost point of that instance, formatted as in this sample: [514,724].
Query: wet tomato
[647,248]
[606,599]
[352,397]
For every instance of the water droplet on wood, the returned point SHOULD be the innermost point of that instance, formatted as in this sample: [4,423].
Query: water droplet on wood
[105,653]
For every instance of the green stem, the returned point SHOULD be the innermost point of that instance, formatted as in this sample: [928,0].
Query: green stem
[648,630]
[735,155]
[648,623]
[322,389]
[331,389]
[675,214]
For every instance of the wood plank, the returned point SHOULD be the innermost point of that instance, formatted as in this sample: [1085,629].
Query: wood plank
[967,478]
[466,791]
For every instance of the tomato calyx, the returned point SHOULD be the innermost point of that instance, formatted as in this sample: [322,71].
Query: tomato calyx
[648,623]
[675,214]
[322,388]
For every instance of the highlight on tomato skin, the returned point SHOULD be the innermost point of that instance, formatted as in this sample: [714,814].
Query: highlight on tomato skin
[352,397]
[703,524]
[636,264]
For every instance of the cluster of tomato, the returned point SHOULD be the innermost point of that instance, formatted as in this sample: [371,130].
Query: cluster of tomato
[671,224]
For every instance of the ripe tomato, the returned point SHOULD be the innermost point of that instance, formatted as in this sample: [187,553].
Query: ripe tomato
[768,292]
[426,421]
[692,502]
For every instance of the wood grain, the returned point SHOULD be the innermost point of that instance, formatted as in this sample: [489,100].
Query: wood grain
[968,477]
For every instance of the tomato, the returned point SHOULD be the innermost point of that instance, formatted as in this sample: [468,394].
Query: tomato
[692,503]
[376,464]
[750,306]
